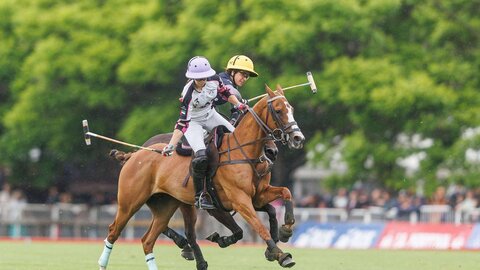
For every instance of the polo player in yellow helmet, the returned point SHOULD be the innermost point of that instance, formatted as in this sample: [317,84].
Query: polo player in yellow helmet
[239,69]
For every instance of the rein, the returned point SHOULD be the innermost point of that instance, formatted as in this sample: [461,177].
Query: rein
[278,134]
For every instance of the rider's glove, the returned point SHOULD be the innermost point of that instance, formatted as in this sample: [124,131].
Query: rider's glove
[168,150]
[241,106]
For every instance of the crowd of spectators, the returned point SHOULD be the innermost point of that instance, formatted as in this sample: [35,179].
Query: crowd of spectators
[12,200]
[404,202]
[12,203]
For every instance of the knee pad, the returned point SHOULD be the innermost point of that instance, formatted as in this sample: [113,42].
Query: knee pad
[200,159]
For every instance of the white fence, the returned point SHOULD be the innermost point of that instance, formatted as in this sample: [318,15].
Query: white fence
[80,221]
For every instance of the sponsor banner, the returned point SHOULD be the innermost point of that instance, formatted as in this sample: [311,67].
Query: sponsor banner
[337,235]
[400,235]
[474,239]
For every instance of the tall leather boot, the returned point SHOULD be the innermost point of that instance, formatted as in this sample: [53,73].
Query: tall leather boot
[199,171]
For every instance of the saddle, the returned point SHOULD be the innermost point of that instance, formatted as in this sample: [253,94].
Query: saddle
[183,148]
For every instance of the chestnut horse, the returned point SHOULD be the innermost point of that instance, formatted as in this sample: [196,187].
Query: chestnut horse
[157,180]
[270,154]
[224,217]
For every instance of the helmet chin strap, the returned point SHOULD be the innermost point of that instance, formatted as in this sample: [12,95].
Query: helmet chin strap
[232,77]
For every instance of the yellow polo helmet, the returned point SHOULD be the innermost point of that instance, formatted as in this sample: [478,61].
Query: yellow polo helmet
[241,62]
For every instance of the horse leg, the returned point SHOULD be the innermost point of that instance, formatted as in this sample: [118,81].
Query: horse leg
[242,203]
[272,218]
[177,238]
[181,242]
[190,218]
[227,220]
[124,213]
[271,193]
[162,208]
[187,251]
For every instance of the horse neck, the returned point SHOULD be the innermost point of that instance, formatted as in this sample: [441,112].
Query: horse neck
[248,130]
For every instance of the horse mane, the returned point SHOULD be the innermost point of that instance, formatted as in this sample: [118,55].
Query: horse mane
[259,106]
[120,155]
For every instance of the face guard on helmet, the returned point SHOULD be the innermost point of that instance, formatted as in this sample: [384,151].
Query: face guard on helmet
[241,62]
[199,68]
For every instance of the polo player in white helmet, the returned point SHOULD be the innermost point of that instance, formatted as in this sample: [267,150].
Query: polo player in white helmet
[197,113]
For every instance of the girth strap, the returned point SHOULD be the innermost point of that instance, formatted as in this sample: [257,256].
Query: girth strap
[251,161]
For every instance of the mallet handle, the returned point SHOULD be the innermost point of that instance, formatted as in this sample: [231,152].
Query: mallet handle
[124,143]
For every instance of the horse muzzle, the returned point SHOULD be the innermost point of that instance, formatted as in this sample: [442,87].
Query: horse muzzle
[296,140]
[271,152]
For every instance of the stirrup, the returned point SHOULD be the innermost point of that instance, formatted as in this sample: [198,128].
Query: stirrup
[203,202]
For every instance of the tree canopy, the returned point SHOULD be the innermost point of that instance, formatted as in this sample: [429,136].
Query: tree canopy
[396,79]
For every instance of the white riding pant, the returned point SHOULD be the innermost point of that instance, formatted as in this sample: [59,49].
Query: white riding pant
[194,133]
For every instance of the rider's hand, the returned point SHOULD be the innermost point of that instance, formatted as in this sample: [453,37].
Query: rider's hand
[168,150]
[241,106]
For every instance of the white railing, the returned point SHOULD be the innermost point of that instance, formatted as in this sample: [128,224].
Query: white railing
[80,221]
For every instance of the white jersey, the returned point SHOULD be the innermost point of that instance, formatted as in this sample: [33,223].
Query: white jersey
[197,111]
[200,103]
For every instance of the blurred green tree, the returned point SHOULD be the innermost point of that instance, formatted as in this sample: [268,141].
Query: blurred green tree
[396,79]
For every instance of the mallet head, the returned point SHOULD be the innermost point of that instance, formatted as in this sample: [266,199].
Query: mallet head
[86,132]
[312,82]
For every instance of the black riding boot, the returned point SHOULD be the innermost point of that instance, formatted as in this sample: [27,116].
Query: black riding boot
[199,171]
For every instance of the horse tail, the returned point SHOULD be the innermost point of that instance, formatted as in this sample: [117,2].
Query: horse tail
[120,155]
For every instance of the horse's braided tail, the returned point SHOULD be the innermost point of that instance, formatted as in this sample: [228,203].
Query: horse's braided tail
[120,155]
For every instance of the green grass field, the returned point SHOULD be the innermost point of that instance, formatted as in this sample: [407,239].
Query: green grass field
[19,255]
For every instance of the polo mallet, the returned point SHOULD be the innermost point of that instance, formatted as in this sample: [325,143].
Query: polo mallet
[310,82]
[87,134]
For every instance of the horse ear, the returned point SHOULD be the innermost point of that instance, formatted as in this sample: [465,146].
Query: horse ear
[269,91]
[280,90]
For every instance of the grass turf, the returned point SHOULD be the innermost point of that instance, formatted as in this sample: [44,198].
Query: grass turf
[43,255]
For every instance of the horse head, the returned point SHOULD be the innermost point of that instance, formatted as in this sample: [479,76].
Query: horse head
[271,150]
[280,120]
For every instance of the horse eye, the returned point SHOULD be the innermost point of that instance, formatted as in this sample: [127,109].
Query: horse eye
[278,111]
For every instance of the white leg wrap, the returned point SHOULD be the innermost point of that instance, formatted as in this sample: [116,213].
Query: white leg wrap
[107,249]
[150,259]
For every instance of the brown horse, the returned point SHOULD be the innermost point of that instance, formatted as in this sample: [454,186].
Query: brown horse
[222,216]
[270,153]
[157,180]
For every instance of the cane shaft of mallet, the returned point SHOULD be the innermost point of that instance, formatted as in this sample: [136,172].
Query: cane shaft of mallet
[87,134]
[284,89]
[120,142]
[295,86]
[310,82]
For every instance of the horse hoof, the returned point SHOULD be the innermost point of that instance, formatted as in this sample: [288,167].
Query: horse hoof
[287,263]
[270,256]
[103,268]
[202,265]
[225,241]
[285,233]
[286,260]
[187,253]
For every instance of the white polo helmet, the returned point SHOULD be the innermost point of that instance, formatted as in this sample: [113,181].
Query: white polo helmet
[199,68]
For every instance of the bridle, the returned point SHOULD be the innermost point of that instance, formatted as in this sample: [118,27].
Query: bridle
[279,134]
[282,132]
